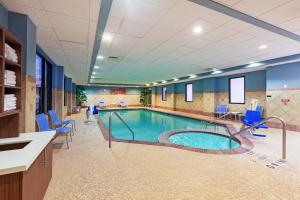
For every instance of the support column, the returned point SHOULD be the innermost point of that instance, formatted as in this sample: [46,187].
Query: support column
[22,27]
[73,95]
[58,91]
[69,96]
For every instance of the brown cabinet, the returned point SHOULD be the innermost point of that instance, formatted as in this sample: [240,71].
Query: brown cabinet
[31,184]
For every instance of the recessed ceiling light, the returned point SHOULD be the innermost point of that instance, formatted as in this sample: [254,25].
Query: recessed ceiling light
[92,76]
[94,73]
[147,84]
[263,46]
[96,67]
[197,29]
[217,71]
[163,81]
[254,64]
[193,76]
[107,37]
[175,79]
[154,83]
[99,57]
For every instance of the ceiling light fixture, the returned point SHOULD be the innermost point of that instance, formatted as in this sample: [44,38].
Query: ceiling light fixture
[92,76]
[217,71]
[254,64]
[263,46]
[154,83]
[96,67]
[94,73]
[175,79]
[163,81]
[197,29]
[99,57]
[147,84]
[107,37]
[193,76]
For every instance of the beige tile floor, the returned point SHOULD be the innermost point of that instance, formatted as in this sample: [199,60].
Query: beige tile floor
[90,170]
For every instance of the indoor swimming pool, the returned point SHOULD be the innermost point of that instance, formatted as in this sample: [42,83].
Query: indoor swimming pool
[148,125]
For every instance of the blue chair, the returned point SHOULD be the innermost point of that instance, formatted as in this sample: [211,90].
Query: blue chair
[43,125]
[102,104]
[221,110]
[95,110]
[122,104]
[57,123]
[252,117]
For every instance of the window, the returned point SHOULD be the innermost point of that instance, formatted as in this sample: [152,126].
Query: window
[189,92]
[237,90]
[164,94]
[43,85]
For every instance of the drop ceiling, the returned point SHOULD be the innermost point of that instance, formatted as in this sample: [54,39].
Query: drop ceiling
[154,39]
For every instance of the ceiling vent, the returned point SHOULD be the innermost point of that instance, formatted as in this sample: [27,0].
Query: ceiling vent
[114,58]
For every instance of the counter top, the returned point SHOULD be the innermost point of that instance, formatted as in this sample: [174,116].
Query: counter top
[18,160]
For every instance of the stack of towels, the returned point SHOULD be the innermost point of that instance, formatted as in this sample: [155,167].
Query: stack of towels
[10,78]
[10,53]
[10,102]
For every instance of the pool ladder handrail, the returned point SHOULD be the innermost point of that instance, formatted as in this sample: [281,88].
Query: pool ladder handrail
[262,122]
[110,126]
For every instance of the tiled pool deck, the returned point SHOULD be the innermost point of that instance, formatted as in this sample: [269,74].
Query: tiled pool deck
[92,171]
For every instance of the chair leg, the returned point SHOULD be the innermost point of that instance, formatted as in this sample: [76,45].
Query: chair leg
[67,140]
[70,133]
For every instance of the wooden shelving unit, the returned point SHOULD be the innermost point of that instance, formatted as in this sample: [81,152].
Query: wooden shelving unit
[10,120]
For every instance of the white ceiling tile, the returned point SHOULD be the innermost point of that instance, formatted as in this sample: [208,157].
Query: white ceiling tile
[46,33]
[75,8]
[120,8]
[145,13]
[159,35]
[134,29]
[45,43]
[291,25]
[228,2]
[59,21]
[282,13]
[258,7]
[27,3]
[94,9]
[71,36]
[164,4]
[188,8]
[174,22]
[113,24]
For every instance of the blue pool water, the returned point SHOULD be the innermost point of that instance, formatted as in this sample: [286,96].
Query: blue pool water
[204,141]
[148,125]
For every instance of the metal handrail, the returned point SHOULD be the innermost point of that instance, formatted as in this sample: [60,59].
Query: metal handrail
[218,118]
[110,126]
[262,122]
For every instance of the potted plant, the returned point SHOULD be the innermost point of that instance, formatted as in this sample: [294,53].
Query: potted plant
[81,97]
[145,95]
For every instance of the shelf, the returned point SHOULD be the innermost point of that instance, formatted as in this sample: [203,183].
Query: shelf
[13,87]
[11,63]
[10,112]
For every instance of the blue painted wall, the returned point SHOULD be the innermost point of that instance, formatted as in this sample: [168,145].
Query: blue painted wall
[287,74]
[58,77]
[253,81]
[73,87]
[3,16]
[22,27]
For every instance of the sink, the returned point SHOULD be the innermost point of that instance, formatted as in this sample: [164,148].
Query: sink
[13,146]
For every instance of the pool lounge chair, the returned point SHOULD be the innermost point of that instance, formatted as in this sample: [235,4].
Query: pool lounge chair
[57,123]
[252,117]
[221,111]
[102,104]
[43,125]
[122,104]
